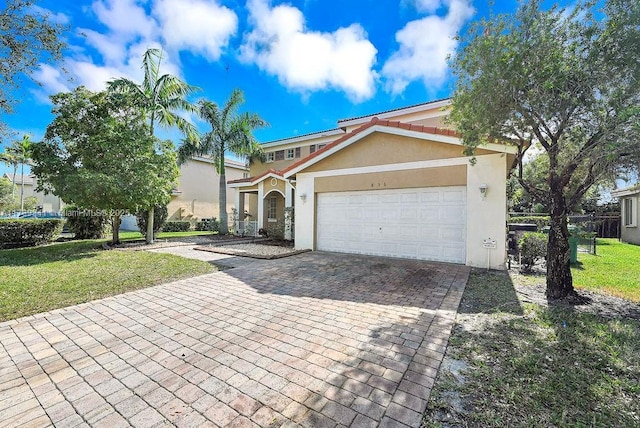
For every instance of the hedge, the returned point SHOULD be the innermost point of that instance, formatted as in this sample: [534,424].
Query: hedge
[176,226]
[23,233]
[208,224]
[540,220]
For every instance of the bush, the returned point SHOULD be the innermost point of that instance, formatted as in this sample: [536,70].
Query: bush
[208,224]
[275,230]
[540,220]
[22,233]
[160,214]
[533,247]
[86,223]
[176,226]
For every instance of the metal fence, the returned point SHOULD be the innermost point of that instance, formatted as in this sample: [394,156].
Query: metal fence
[246,228]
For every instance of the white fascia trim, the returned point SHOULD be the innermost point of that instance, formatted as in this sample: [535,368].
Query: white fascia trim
[254,182]
[625,192]
[390,167]
[302,138]
[399,112]
[396,131]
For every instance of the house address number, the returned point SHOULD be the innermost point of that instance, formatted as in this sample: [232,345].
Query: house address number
[489,243]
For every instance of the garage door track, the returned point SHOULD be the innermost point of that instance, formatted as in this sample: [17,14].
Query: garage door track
[315,340]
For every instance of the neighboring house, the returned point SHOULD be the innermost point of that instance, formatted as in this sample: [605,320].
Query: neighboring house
[629,200]
[196,195]
[393,184]
[46,203]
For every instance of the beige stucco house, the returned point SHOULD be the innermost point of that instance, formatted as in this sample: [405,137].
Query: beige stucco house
[197,194]
[393,184]
[46,203]
[629,200]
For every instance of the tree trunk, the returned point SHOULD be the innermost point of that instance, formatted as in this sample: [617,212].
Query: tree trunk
[115,229]
[13,187]
[222,199]
[149,237]
[22,189]
[559,280]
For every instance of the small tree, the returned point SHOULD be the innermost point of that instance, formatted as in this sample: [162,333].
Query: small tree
[158,98]
[566,81]
[230,132]
[20,152]
[98,153]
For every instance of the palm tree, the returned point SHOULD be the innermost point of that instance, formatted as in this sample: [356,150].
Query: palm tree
[230,132]
[160,97]
[19,153]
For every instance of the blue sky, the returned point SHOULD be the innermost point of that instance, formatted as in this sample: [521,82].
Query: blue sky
[302,64]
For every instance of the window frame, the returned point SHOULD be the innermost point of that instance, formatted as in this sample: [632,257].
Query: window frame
[271,157]
[290,154]
[272,205]
[629,212]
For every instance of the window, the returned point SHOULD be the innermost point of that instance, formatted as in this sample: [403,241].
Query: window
[280,155]
[271,156]
[321,146]
[629,212]
[312,148]
[291,153]
[245,175]
[271,208]
[297,152]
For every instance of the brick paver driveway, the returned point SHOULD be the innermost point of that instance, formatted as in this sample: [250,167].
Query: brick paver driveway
[315,340]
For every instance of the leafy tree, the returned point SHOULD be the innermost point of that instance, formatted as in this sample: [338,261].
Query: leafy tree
[98,154]
[10,159]
[231,132]
[159,97]
[27,38]
[567,81]
[6,198]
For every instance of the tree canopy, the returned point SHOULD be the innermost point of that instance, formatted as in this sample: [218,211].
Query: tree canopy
[567,80]
[231,132]
[159,98]
[27,37]
[98,153]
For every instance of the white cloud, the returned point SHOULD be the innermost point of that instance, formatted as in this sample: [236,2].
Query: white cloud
[51,78]
[124,17]
[425,45]
[306,60]
[200,26]
[130,27]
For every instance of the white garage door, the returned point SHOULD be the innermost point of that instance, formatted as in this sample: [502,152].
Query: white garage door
[427,223]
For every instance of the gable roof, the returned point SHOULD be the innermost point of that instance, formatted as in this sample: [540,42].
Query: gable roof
[360,132]
[390,114]
[26,179]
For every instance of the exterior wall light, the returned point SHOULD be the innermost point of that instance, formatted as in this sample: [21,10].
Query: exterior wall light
[303,196]
[483,190]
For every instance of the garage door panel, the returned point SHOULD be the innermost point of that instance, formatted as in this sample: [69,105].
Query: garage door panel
[427,223]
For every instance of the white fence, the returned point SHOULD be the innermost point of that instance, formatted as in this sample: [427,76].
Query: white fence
[246,228]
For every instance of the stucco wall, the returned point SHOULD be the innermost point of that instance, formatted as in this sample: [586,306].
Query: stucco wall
[486,219]
[198,185]
[630,234]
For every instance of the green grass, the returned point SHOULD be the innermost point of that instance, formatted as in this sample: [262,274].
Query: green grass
[529,365]
[34,280]
[129,236]
[614,270]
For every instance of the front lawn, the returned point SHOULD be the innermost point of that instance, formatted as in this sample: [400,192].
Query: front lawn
[614,270]
[516,364]
[34,280]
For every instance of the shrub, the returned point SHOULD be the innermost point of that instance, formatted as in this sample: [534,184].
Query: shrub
[160,214]
[208,224]
[533,247]
[86,223]
[22,233]
[176,226]
[275,230]
[539,220]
